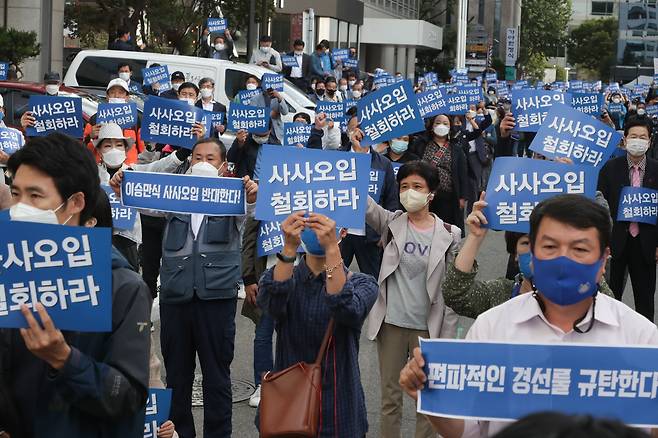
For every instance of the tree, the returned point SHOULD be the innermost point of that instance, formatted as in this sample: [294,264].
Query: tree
[534,67]
[594,45]
[16,46]
[543,25]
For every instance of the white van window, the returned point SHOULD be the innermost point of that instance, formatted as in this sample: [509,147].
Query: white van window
[234,82]
[97,71]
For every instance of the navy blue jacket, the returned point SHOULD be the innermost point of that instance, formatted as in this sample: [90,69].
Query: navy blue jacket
[101,390]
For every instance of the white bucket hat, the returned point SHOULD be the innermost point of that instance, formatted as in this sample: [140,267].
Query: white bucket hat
[118,82]
[112,130]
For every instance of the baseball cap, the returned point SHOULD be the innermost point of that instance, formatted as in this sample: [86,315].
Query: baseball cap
[51,77]
[118,82]
[177,75]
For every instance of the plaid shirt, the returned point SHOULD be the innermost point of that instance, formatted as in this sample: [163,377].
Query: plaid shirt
[302,308]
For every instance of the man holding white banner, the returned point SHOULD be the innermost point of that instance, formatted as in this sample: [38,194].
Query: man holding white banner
[569,240]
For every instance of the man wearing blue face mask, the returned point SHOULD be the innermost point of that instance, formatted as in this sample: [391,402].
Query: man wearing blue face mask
[569,241]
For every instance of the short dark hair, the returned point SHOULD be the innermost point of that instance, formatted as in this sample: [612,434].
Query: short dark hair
[304,116]
[634,121]
[298,42]
[216,141]
[188,85]
[124,64]
[511,239]
[70,164]
[423,170]
[122,31]
[265,39]
[102,210]
[252,77]
[330,79]
[574,210]
[319,46]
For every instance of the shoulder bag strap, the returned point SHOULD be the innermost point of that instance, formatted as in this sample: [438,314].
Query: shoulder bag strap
[329,332]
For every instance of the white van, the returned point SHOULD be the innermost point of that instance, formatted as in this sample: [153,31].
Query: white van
[95,68]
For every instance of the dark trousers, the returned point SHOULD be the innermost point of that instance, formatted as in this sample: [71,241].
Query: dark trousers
[368,254]
[206,328]
[128,249]
[151,250]
[642,273]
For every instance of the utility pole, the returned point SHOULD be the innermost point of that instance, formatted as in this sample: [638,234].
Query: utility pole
[251,31]
[462,16]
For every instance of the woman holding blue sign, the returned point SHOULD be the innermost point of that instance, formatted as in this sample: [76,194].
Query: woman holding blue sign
[417,247]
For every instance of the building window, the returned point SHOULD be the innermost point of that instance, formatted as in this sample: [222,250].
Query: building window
[602,8]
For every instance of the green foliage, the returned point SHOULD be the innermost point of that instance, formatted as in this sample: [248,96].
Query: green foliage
[16,46]
[533,69]
[543,27]
[498,65]
[594,45]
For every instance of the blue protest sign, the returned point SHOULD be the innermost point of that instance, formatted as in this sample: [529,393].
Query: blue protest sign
[575,85]
[289,61]
[431,103]
[396,167]
[334,110]
[158,405]
[340,54]
[491,78]
[171,121]
[389,113]
[567,132]
[185,194]
[519,85]
[473,93]
[11,140]
[296,133]
[615,108]
[431,78]
[347,104]
[123,114]
[67,269]
[273,81]
[4,69]
[250,118]
[516,185]
[457,104]
[216,119]
[502,91]
[530,107]
[123,218]
[638,204]
[351,63]
[328,182]
[245,96]
[217,25]
[652,110]
[375,184]
[134,87]
[159,75]
[55,114]
[588,103]
[380,81]
[270,238]
[496,381]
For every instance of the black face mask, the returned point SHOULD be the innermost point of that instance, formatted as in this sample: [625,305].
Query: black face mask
[331,92]
[319,92]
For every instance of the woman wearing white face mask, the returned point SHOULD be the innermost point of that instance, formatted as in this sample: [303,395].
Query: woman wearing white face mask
[418,246]
[441,147]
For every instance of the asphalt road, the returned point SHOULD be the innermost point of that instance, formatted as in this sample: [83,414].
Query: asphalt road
[492,262]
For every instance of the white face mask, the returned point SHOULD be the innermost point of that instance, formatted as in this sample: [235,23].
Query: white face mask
[219,47]
[52,89]
[641,111]
[637,146]
[116,100]
[185,99]
[260,139]
[441,130]
[175,86]
[351,83]
[114,158]
[616,100]
[264,49]
[251,86]
[206,92]
[28,213]
[413,200]
[356,94]
[125,76]
[203,168]
[343,88]
[299,52]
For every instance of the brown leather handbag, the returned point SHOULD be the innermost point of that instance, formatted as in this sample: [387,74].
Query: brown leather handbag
[290,404]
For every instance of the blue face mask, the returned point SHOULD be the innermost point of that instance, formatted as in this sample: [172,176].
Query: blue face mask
[311,244]
[524,265]
[564,281]
[2,115]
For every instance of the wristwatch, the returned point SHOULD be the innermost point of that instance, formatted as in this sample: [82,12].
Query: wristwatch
[285,259]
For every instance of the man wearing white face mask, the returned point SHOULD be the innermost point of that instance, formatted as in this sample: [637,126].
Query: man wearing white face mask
[125,72]
[177,79]
[266,56]
[208,103]
[300,76]
[633,244]
[51,82]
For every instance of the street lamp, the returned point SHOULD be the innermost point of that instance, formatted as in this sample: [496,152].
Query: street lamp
[566,74]
[637,74]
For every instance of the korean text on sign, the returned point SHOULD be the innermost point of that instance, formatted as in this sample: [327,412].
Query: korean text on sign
[334,111]
[273,81]
[123,218]
[340,54]
[157,75]
[216,118]
[516,185]
[170,121]
[4,69]
[11,140]
[123,114]
[351,63]
[67,269]
[638,204]
[567,132]
[55,114]
[316,181]
[388,113]
[158,405]
[588,103]
[431,103]
[296,133]
[217,25]
[245,96]
[473,93]
[270,238]
[183,193]
[250,118]
[508,381]
[289,61]
[530,107]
